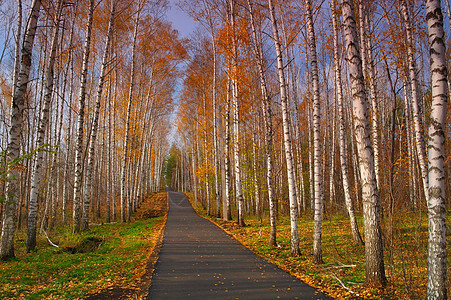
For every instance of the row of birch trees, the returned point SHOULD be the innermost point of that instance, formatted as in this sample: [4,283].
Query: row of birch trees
[86,93]
[307,106]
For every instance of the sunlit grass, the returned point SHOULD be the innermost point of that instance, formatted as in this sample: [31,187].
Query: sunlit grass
[54,273]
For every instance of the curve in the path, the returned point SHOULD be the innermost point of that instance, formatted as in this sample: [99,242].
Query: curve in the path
[200,261]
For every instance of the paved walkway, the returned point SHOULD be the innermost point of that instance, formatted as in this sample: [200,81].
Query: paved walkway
[200,261]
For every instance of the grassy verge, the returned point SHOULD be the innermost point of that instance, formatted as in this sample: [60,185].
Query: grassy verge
[118,258]
[342,276]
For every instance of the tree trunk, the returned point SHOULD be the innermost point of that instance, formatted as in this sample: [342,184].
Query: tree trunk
[80,124]
[342,131]
[374,106]
[419,140]
[15,131]
[268,125]
[236,120]
[227,215]
[437,258]
[127,124]
[42,128]
[375,271]
[286,137]
[95,122]
[319,194]
[215,128]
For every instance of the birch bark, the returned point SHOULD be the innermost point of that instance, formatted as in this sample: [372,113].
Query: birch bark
[80,123]
[227,215]
[369,69]
[236,119]
[375,271]
[127,124]
[419,139]
[437,259]
[286,137]
[42,128]
[342,131]
[268,125]
[13,147]
[95,122]
[319,194]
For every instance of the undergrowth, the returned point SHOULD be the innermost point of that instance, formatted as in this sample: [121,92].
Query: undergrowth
[113,254]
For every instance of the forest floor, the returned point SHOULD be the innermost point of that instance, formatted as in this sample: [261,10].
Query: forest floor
[113,260]
[342,276]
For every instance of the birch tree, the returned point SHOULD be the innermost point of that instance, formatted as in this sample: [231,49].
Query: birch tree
[437,259]
[227,214]
[78,181]
[286,136]
[236,117]
[42,128]
[414,88]
[268,126]
[13,147]
[95,122]
[342,133]
[369,69]
[319,193]
[127,121]
[375,270]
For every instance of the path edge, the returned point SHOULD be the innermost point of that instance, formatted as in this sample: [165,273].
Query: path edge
[146,279]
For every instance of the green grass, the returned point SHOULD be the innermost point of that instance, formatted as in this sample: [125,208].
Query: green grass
[51,273]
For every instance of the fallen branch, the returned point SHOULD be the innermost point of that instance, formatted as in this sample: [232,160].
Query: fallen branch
[341,266]
[48,239]
[344,286]
[100,224]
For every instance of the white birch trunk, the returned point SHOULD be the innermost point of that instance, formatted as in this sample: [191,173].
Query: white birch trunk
[215,126]
[236,120]
[375,271]
[66,189]
[42,128]
[92,141]
[342,132]
[226,205]
[411,147]
[193,157]
[80,124]
[319,194]
[13,147]
[437,258]
[369,68]
[127,125]
[254,171]
[268,125]
[17,45]
[286,137]
[419,139]
[16,69]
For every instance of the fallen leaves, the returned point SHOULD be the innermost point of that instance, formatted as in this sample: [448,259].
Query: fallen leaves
[342,276]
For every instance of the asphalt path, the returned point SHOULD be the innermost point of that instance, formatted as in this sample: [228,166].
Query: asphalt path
[198,260]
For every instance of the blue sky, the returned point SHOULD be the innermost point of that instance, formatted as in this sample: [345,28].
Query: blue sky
[180,20]
[185,25]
